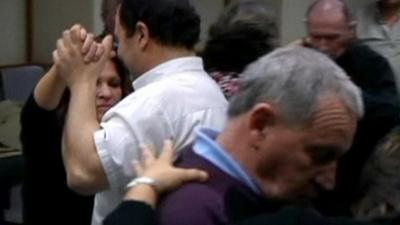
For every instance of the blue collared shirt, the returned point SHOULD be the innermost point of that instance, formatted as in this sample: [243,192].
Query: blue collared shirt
[206,146]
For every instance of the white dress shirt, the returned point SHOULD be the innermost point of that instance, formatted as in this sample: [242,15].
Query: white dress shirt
[374,31]
[169,101]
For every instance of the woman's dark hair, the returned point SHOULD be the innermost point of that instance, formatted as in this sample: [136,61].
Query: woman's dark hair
[123,73]
[244,31]
[108,11]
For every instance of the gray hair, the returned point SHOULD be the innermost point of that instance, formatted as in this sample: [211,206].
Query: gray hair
[294,79]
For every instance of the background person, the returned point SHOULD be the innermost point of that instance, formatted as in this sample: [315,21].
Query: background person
[243,32]
[378,26]
[331,30]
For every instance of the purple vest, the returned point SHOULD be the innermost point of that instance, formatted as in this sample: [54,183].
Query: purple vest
[221,200]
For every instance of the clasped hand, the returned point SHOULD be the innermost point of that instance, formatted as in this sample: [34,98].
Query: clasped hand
[78,58]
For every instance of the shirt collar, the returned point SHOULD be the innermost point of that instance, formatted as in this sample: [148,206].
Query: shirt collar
[206,146]
[169,68]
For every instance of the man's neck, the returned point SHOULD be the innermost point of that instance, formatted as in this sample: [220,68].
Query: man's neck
[233,141]
[163,54]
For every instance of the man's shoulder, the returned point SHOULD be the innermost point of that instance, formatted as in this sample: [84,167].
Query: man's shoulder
[363,64]
[192,192]
[194,203]
[197,203]
[362,52]
[185,85]
[179,97]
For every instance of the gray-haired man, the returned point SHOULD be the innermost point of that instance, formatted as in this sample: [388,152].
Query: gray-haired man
[294,116]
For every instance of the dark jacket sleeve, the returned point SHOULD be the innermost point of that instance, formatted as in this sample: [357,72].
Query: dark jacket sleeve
[36,120]
[41,133]
[381,98]
[40,136]
[304,216]
[374,75]
[131,213]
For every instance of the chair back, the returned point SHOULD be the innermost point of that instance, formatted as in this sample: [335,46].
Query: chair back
[18,82]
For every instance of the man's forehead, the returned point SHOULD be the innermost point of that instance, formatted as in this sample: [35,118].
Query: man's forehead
[327,11]
[330,18]
[333,114]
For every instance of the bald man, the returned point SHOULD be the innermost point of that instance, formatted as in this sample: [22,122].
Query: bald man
[331,30]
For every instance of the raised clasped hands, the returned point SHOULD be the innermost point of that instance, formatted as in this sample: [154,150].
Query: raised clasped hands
[79,58]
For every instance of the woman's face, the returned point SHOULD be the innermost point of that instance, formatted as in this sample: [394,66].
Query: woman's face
[108,90]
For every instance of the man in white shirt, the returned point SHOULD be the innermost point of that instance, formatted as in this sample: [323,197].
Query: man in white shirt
[172,96]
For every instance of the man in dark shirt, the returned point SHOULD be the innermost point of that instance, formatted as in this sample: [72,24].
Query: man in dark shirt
[331,30]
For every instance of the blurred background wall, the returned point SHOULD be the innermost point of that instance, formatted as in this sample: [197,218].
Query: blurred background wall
[30,28]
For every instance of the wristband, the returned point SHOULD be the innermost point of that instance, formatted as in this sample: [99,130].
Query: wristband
[143,180]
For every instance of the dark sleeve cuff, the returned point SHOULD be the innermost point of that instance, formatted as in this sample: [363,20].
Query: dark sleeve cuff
[132,213]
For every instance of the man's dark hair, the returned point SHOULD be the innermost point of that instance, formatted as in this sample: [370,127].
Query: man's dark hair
[244,31]
[170,22]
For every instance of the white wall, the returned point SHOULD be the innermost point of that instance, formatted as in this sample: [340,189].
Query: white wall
[97,22]
[209,11]
[51,17]
[292,19]
[356,4]
[13,26]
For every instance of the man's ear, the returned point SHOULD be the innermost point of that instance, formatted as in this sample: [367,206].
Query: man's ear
[353,24]
[262,116]
[352,29]
[143,34]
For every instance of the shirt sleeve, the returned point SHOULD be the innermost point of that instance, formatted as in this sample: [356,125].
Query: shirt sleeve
[123,130]
[40,135]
